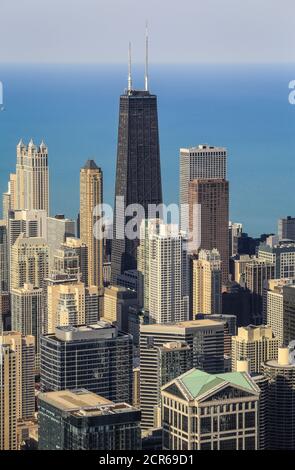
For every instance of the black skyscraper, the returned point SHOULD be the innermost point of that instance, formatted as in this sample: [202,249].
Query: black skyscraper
[138,174]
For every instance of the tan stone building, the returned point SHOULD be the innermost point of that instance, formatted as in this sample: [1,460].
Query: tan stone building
[17,397]
[32,177]
[257,344]
[207,283]
[91,195]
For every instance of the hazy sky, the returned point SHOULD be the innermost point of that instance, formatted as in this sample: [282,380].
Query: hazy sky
[180,30]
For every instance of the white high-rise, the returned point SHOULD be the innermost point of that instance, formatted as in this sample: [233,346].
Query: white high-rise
[165,273]
[204,162]
[32,177]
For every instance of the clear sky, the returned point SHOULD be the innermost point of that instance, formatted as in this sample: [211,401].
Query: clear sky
[180,30]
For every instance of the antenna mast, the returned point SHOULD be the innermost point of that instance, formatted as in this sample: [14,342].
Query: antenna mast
[146,75]
[129,68]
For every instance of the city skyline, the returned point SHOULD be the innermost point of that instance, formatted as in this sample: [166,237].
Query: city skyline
[133,318]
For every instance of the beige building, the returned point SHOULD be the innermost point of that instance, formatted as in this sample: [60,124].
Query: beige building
[117,301]
[27,313]
[29,262]
[257,344]
[65,305]
[9,197]
[202,411]
[32,177]
[91,195]
[240,267]
[17,396]
[163,265]
[207,283]
[273,306]
[72,258]
[212,196]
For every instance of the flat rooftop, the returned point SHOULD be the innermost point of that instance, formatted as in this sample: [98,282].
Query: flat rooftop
[70,400]
[82,403]
[202,323]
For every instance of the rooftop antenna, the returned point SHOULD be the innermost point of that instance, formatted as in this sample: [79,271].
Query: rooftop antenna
[146,74]
[129,69]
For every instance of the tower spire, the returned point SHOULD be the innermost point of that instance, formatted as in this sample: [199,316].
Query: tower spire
[146,74]
[129,68]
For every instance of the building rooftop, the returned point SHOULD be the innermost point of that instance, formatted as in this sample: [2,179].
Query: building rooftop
[196,383]
[90,165]
[82,403]
[203,323]
[69,400]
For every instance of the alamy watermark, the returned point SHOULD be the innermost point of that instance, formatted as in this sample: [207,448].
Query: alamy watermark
[127,222]
[291,96]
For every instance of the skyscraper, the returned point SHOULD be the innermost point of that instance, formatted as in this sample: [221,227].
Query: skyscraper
[17,395]
[27,311]
[29,262]
[32,178]
[257,272]
[138,173]
[212,195]
[286,228]
[281,400]
[201,162]
[96,357]
[81,420]
[205,338]
[255,343]
[164,267]
[207,282]
[204,411]
[91,196]
[58,229]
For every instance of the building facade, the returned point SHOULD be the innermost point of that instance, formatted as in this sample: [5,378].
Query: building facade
[81,420]
[96,357]
[204,411]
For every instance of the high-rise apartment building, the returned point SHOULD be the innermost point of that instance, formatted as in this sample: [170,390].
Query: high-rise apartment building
[280,401]
[201,162]
[202,411]
[91,197]
[282,255]
[58,229]
[96,357]
[32,177]
[72,258]
[4,264]
[17,394]
[288,314]
[204,337]
[81,420]
[286,228]
[257,344]
[273,306]
[207,283]
[116,303]
[31,223]
[27,312]
[235,232]
[29,262]
[138,172]
[163,264]
[9,197]
[212,196]
[257,272]
[65,305]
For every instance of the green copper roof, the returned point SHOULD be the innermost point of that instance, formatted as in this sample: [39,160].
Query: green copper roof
[198,382]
